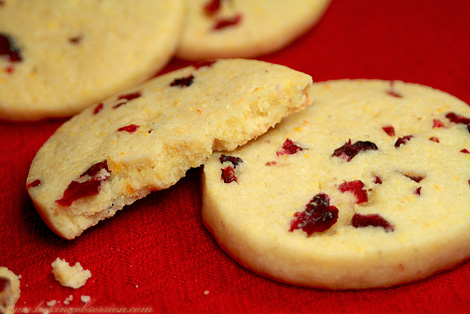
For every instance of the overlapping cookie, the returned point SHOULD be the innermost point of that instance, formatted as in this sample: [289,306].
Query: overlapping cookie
[145,139]
[245,28]
[58,57]
[368,187]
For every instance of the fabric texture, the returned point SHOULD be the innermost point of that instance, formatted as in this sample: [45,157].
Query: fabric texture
[156,255]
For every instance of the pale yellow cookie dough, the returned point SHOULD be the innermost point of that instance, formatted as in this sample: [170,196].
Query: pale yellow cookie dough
[150,136]
[255,27]
[77,52]
[70,276]
[11,288]
[421,188]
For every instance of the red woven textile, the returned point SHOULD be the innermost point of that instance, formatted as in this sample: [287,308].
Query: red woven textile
[156,254]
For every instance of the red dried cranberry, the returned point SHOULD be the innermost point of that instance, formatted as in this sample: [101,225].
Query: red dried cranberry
[348,150]
[131,128]
[414,178]
[94,178]
[271,163]
[203,64]
[456,118]
[98,108]
[183,81]
[390,130]
[375,220]
[289,148]
[434,139]
[119,104]
[228,174]
[211,7]
[75,40]
[436,123]
[318,215]
[33,184]
[227,22]
[130,96]
[10,69]
[95,169]
[234,160]
[9,48]
[418,191]
[403,140]
[378,180]
[465,151]
[357,188]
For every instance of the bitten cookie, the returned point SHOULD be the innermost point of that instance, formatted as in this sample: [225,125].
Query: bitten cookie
[9,289]
[367,187]
[145,139]
[58,57]
[245,28]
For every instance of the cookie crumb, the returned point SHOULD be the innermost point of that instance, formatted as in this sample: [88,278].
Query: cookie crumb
[206,292]
[69,276]
[67,300]
[85,298]
[9,288]
[51,303]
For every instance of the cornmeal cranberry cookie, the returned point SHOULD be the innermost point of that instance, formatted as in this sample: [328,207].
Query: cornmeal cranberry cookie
[58,57]
[245,28]
[145,139]
[367,187]
[9,289]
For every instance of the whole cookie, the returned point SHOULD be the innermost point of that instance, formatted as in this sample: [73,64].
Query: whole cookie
[145,139]
[245,28]
[58,57]
[367,187]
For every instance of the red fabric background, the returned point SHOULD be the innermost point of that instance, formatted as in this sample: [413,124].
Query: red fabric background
[157,254]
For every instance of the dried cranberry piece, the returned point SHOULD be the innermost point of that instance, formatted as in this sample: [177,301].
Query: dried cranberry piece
[378,180]
[119,104]
[75,40]
[318,215]
[456,118]
[234,160]
[403,140]
[390,130]
[95,169]
[91,186]
[348,150]
[203,64]
[131,128]
[183,81]
[33,184]
[271,163]
[434,139]
[212,7]
[465,151]
[9,48]
[375,220]
[130,96]
[436,123]
[227,22]
[228,174]
[98,108]
[357,188]
[414,178]
[418,191]
[289,148]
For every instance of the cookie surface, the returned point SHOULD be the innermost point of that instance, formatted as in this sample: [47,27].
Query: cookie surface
[118,151]
[57,57]
[244,28]
[367,187]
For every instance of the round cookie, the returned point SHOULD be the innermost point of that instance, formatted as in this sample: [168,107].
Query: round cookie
[58,57]
[118,151]
[367,187]
[245,28]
